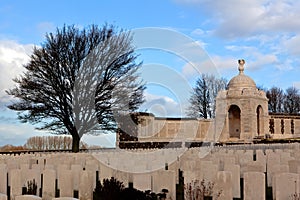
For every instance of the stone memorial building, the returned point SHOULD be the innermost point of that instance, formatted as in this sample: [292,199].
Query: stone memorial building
[241,117]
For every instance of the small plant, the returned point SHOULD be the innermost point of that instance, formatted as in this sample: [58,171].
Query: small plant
[112,189]
[31,188]
[163,194]
[295,196]
[199,190]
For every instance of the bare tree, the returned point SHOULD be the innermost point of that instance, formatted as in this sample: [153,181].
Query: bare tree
[79,81]
[202,100]
[51,143]
[291,101]
[276,98]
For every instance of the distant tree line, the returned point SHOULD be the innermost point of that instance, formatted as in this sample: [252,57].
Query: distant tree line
[46,143]
[51,143]
[281,101]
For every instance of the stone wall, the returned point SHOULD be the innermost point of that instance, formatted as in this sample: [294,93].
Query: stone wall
[284,126]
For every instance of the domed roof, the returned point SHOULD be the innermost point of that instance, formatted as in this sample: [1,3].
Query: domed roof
[241,81]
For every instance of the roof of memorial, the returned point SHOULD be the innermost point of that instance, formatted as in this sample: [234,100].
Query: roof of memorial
[241,81]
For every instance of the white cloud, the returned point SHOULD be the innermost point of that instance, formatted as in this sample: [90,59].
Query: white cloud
[244,18]
[17,134]
[198,32]
[208,66]
[162,106]
[12,58]
[292,45]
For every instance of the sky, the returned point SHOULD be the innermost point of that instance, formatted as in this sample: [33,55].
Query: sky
[176,40]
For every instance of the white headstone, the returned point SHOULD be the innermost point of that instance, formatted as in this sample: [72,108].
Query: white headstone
[28,197]
[142,181]
[48,191]
[3,178]
[285,185]
[235,171]
[86,185]
[15,183]
[254,186]
[224,185]
[65,183]
[3,196]
[165,180]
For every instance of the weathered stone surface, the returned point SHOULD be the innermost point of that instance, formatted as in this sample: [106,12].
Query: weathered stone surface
[48,191]
[28,197]
[254,186]
[165,180]
[142,182]
[86,185]
[235,172]
[285,185]
[65,183]
[224,184]
[15,183]
[76,169]
[3,178]
[3,196]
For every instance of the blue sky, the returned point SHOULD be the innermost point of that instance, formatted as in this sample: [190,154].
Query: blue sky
[189,37]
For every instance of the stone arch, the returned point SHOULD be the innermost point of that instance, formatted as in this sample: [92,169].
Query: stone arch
[234,118]
[260,120]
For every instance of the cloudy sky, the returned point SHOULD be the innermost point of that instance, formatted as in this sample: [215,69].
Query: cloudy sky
[177,40]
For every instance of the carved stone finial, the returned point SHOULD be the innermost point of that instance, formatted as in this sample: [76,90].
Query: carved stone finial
[241,66]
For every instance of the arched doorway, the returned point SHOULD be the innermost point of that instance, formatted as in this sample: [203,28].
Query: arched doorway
[234,116]
[260,121]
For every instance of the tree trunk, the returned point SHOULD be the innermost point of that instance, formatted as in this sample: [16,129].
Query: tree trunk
[75,143]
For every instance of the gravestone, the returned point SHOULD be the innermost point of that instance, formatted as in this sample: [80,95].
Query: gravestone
[28,175]
[254,186]
[15,183]
[28,197]
[65,183]
[285,185]
[48,189]
[3,178]
[142,181]
[86,185]
[223,184]
[235,172]
[293,166]
[3,196]
[76,169]
[165,180]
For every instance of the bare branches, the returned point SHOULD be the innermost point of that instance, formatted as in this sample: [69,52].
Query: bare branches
[202,100]
[78,81]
